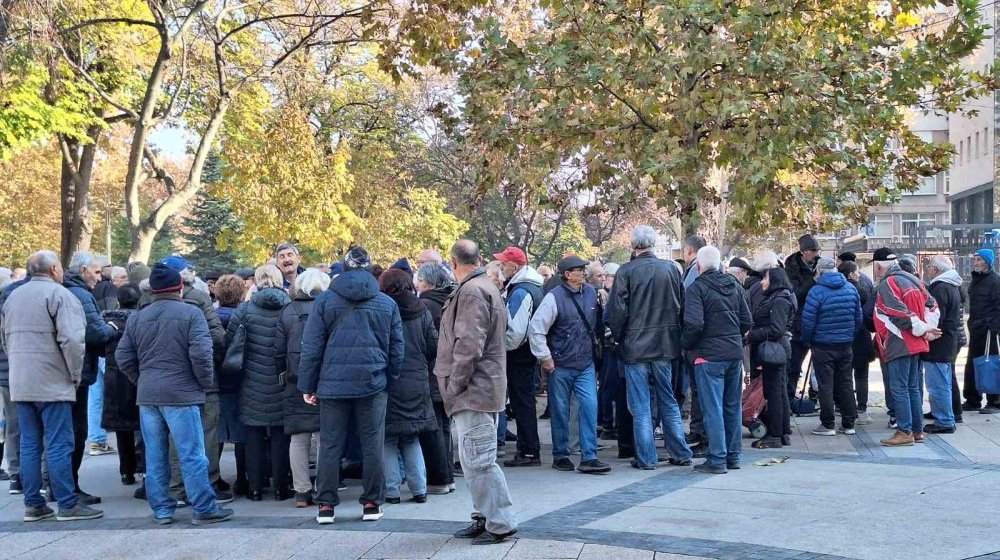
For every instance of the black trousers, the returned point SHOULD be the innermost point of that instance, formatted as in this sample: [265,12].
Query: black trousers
[977,348]
[257,456]
[605,399]
[794,371]
[834,364]
[778,414]
[369,417]
[436,448]
[521,390]
[79,431]
[861,384]
[614,376]
[130,458]
[956,395]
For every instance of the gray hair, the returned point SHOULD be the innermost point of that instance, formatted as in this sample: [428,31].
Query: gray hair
[697,243]
[285,246]
[708,256]
[83,259]
[268,276]
[644,237]
[311,282]
[434,275]
[117,271]
[41,262]
[826,265]
[103,260]
[433,256]
[765,259]
[942,263]
[5,277]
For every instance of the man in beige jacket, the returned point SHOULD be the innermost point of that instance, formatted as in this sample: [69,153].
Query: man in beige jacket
[42,328]
[471,371]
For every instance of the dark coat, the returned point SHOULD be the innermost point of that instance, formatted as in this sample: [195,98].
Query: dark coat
[167,352]
[715,317]
[833,312]
[300,418]
[754,291]
[772,319]
[202,300]
[120,412]
[864,346]
[261,395]
[4,367]
[802,277]
[434,302]
[409,410]
[106,295]
[946,290]
[644,309]
[984,304]
[99,332]
[366,348]
[228,385]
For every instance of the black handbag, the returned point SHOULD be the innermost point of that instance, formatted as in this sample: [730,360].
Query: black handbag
[232,364]
[771,353]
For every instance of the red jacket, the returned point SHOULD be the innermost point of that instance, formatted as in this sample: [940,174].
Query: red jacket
[904,311]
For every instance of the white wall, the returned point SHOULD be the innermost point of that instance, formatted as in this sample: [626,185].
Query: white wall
[976,166]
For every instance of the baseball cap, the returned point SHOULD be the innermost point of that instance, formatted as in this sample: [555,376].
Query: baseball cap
[512,255]
[176,263]
[883,254]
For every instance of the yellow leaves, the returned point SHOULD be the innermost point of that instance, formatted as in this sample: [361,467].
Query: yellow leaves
[29,203]
[907,19]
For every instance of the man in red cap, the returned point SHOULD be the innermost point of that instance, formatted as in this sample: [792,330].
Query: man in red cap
[523,294]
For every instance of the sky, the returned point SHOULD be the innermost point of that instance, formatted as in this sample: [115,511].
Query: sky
[171,142]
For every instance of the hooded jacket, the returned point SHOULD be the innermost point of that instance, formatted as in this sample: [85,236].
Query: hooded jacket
[409,410]
[261,395]
[356,358]
[833,312]
[772,318]
[802,276]
[644,309]
[524,295]
[715,317]
[99,332]
[299,417]
[120,411]
[946,289]
[904,311]
[984,304]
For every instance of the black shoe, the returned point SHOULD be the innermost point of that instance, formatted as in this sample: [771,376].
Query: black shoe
[679,463]
[609,434]
[563,464]
[392,501]
[487,537]
[958,420]
[735,466]
[970,407]
[255,495]
[4,475]
[705,468]
[87,499]
[523,461]
[786,440]
[545,414]
[510,436]
[594,466]
[936,429]
[140,492]
[128,479]
[223,497]
[223,486]
[241,488]
[15,484]
[692,439]
[635,465]
[626,453]
[928,416]
[419,499]
[699,451]
[476,528]
[303,499]
[283,494]
[372,512]
[767,443]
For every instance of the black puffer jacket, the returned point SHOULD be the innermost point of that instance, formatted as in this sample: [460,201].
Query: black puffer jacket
[946,290]
[802,276]
[644,309]
[772,319]
[984,304]
[300,418]
[409,410]
[260,393]
[434,300]
[864,347]
[715,317]
[106,295]
[120,412]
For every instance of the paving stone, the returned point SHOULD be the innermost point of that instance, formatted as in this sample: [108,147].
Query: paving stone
[407,545]
[671,556]
[604,552]
[529,549]
[339,545]
[462,549]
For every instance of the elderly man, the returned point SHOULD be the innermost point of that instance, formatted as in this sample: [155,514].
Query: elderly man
[906,318]
[470,369]
[644,314]
[945,287]
[716,317]
[984,319]
[692,245]
[43,330]
[166,352]
[12,430]
[289,262]
[83,274]
[801,270]
[523,294]
[830,321]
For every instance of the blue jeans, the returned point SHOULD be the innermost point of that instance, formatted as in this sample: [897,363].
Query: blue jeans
[95,406]
[406,449]
[184,424]
[906,387]
[720,391]
[53,423]
[637,378]
[938,377]
[502,429]
[582,383]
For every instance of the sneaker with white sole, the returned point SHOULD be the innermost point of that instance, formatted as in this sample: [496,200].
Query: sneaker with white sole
[824,431]
[97,449]
[864,418]
[892,423]
[38,513]
[373,512]
[847,431]
[325,516]
[79,512]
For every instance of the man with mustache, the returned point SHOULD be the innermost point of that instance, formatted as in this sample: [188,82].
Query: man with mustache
[288,261]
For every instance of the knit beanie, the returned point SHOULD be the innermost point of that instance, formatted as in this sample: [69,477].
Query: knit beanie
[357,258]
[987,255]
[137,272]
[808,242]
[164,279]
[402,264]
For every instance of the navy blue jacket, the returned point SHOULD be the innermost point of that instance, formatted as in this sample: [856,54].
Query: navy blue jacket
[4,367]
[568,339]
[366,348]
[716,316]
[832,314]
[99,332]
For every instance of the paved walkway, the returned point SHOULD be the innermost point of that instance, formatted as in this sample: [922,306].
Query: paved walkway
[834,497]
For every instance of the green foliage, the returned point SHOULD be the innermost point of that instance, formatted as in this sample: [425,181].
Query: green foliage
[210,220]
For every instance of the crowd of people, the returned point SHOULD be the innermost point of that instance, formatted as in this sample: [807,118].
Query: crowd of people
[406,376]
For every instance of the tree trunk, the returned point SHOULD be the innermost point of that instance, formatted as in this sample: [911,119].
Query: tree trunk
[142,243]
[74,190]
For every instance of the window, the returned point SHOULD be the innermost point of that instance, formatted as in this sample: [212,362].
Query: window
[881,225]
[910,223]
[947,181]
[977,146]
[968,149]
[961,148]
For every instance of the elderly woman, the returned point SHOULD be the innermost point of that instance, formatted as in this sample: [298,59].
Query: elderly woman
[435,286]
[494,271]
[301,419]
[261,395]
[772,320]
[229,293]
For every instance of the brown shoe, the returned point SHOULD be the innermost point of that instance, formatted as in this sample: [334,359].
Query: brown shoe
[898,440]
[918,437]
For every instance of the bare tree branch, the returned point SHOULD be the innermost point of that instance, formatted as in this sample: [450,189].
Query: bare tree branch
[97,21]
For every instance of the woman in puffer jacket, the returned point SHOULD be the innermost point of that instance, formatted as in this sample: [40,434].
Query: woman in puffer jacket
[409,411]
[772,321]
[301,419]
[120,413]
[435,286]
[261,396]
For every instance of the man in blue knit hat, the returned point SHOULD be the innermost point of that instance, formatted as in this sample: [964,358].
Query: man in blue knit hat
[984,322]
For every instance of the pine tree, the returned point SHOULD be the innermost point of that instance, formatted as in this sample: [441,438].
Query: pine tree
[210,221]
